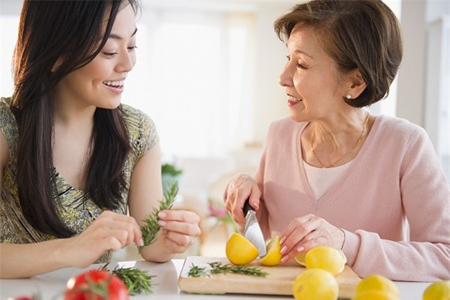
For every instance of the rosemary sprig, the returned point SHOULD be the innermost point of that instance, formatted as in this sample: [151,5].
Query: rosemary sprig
[137,281]
[218,267]
[196,271]
[151,227]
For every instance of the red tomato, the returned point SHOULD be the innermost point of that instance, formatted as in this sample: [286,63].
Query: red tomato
[95,285]
[22,298]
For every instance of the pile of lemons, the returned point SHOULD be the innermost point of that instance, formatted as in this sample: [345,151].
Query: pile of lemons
[322,264]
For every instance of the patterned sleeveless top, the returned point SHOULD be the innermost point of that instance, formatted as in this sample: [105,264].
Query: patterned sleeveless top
[76,209]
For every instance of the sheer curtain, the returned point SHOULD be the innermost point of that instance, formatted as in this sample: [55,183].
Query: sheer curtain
[193,78]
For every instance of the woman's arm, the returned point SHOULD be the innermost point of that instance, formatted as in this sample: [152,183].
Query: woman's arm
[110,231]
[179,227]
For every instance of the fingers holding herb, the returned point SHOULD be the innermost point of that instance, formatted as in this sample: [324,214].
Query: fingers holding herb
[151,227]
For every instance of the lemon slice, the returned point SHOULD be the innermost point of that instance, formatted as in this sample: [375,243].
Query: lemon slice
[239,250]
[300,258]
[437,291]
[273,256]
[377,283]
[327,258]
[315,284]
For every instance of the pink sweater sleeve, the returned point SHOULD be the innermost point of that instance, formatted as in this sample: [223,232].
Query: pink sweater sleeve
[425,199]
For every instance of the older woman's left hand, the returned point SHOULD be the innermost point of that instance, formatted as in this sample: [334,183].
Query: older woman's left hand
[179,229]
[307,232]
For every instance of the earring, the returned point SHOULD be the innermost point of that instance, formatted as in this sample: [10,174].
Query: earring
[349,97]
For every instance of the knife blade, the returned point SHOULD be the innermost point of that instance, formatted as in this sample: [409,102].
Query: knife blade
[252,230]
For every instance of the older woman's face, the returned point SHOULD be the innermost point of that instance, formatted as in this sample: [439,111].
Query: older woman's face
[313,86]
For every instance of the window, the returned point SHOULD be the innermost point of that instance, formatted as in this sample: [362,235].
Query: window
[192,78]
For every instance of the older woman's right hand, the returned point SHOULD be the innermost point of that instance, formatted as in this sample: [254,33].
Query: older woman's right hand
[239,189]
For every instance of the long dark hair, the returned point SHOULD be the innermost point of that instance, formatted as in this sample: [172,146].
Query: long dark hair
[71,33]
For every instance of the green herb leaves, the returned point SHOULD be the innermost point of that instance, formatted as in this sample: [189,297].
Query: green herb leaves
[220,268]
[137,281]
[151,227]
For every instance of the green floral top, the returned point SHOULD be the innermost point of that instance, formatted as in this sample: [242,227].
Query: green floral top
[76,209]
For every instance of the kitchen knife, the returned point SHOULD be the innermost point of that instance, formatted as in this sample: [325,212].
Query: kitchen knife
[252,231]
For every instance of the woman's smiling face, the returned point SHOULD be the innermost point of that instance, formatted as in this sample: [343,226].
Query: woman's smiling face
[313,84]
[101,82]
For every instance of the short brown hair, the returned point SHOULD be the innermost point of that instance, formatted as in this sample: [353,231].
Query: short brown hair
[357,34]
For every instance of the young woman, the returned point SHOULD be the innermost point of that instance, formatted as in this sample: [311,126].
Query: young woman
[74,160]
[334,175]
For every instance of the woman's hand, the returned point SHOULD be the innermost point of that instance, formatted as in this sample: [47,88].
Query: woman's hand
[179,228]
[238,190]
[110,231]
[307,232]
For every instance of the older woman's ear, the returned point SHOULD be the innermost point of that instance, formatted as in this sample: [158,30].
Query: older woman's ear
[355,85]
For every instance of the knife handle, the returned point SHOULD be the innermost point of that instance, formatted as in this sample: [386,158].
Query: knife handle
[247,207]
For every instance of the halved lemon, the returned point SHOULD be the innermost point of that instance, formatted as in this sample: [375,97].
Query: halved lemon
[300,258]
[273,256]
[239,250]
[326,258]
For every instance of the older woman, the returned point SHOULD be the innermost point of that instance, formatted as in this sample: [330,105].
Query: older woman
[334,175]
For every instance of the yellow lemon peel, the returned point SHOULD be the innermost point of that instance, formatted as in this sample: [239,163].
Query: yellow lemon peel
[315,284]
[377,283]
[239,250]
[327,258]
[273,256]
[437,291]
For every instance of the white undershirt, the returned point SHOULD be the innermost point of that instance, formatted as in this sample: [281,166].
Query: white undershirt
[321,179]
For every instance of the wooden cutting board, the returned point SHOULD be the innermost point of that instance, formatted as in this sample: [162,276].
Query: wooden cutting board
[278,282]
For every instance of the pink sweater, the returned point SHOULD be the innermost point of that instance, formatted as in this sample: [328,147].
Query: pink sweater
[395,180]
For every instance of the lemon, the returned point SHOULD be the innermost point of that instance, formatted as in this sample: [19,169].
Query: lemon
[376,295]
[239,250]
[300,258]
[438,291]
[327,258]
[273,256]
[315,284]
[377,283]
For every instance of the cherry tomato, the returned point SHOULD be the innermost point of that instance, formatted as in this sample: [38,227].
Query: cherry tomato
[96,285]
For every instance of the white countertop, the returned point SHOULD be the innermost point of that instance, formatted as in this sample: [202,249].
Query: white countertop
[165,284]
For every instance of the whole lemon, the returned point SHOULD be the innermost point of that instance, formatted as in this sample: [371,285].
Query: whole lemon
[327,258]
[377,283]
[273,256]
[239,250]
[315,284]
[438,291]
[376,295]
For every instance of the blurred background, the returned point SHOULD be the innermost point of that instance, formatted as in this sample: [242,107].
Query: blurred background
[207,74]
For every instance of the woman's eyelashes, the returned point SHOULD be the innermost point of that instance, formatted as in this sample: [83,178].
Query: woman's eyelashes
[114,53]
[300,65]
